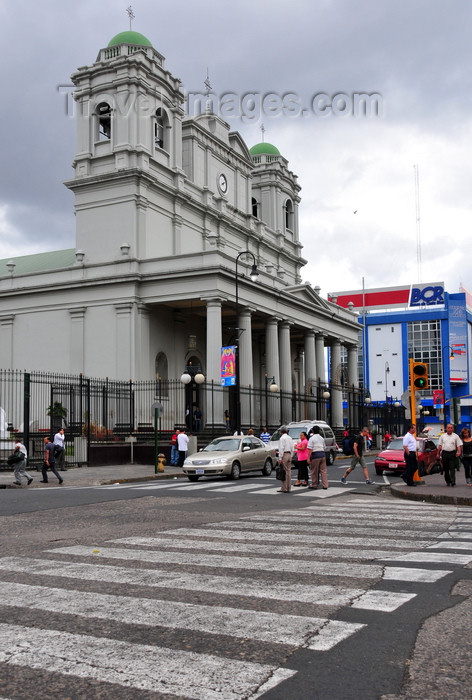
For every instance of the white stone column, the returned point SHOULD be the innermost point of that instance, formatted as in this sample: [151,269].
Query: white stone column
[310,374]
[246,376]
[272,401]
[320,357]
[285,371]
[352,372]
[214,395]
[335,389]
[124,341]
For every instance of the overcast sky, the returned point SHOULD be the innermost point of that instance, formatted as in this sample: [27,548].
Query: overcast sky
[415,55]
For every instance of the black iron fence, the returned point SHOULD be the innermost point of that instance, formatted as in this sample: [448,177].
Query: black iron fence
[102,411]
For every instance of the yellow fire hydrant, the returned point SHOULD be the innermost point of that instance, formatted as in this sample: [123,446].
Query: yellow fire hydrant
[161,460]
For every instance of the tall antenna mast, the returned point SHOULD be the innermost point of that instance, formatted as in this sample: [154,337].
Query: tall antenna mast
[418,224]
[130,13]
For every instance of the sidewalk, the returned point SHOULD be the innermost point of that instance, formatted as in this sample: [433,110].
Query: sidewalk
[95,476]
[433,489]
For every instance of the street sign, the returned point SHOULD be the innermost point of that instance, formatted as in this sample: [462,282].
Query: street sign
[405,399]
[158,405]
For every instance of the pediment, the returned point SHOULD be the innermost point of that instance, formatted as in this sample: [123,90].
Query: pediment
[306,293]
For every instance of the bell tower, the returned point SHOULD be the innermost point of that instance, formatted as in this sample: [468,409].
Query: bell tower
[128,153]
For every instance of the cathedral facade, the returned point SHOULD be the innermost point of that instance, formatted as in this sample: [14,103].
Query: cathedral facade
[172,214]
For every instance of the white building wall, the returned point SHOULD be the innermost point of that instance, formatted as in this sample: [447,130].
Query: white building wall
[385,346]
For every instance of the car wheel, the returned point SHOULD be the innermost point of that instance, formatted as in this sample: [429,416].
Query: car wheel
[193,477]
[267,470]
[330,458]
[235,470]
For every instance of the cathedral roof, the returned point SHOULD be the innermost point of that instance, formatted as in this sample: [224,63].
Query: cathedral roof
[264,148]
[129,37]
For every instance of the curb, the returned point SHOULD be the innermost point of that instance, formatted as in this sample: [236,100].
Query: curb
[431,498]
[137,479]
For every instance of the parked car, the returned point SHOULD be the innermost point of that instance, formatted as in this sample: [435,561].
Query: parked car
[294,429]
[393,457]
[231,456]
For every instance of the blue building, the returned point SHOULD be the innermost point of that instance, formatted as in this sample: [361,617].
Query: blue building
[423,322]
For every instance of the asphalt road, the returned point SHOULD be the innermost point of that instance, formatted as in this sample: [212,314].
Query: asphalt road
[230,590]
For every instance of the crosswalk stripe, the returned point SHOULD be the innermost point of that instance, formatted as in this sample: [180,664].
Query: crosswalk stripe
[225,528]
[141,666]
[396,573]
[298,550]
[208,583]
[323,513]
[349,570]
[455,544]
[433,557]
[333,633]
[383,601]
[275,628]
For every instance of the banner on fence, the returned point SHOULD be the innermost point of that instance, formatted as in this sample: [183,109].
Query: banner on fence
[228,365]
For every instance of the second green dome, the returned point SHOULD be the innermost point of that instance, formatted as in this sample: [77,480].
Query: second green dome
[129,38]
[264,148]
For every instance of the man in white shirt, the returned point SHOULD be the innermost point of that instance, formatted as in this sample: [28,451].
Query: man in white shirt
[409,448]
[59,449]
[285,458]
[182,445]
[449,448]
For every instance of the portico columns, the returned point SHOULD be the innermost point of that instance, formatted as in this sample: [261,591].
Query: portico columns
[272,370]
[353,378]
[310,370]
[336,388]
[214,396]
[285,371]
[320,357]
[246,377]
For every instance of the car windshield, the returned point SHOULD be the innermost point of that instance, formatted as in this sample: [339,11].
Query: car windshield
[223,445]
[293,432]
[396,444]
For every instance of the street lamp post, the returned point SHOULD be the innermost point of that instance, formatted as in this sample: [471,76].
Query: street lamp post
[451,357]
[387,405]
[254,274]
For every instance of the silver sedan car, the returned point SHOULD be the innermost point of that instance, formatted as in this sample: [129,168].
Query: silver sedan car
[230,456]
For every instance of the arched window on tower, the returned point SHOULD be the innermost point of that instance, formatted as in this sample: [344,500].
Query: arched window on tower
[103,121]
[289,216]
[255,208]
[161,124]
[162,374]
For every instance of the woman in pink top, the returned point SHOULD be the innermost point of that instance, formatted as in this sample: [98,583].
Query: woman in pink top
[302,460]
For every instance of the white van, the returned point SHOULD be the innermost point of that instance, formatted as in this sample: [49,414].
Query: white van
[294,430]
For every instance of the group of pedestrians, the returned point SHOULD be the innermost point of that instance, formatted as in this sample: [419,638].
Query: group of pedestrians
[54,456]
[311,457]
[179,447]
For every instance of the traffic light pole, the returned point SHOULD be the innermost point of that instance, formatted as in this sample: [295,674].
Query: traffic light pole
[412,393]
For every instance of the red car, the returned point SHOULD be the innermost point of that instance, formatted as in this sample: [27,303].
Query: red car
[393,457]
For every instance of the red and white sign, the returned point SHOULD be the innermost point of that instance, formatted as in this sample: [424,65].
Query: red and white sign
[413,296]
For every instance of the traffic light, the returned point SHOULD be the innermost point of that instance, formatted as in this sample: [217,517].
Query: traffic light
[419,375]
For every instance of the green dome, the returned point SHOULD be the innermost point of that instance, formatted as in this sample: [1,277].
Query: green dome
[129,38]
[264,149]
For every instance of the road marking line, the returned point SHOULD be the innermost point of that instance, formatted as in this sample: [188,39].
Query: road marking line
[455,544]
[392,573]
[142,666]
[382,601]
[371,571]
[433,557]
[273,628]
[208,583]
[333,633]
[292,550]
[273,526]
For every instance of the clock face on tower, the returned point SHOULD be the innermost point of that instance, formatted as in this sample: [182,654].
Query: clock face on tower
[222,183]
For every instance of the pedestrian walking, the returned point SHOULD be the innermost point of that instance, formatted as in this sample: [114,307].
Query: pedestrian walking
[317,457]
[285,458]
[449,448]
[409,449]
[19,461]
[49,462]
[301,448]
[59,449]
[466,454]
[358,457]
[182,445]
